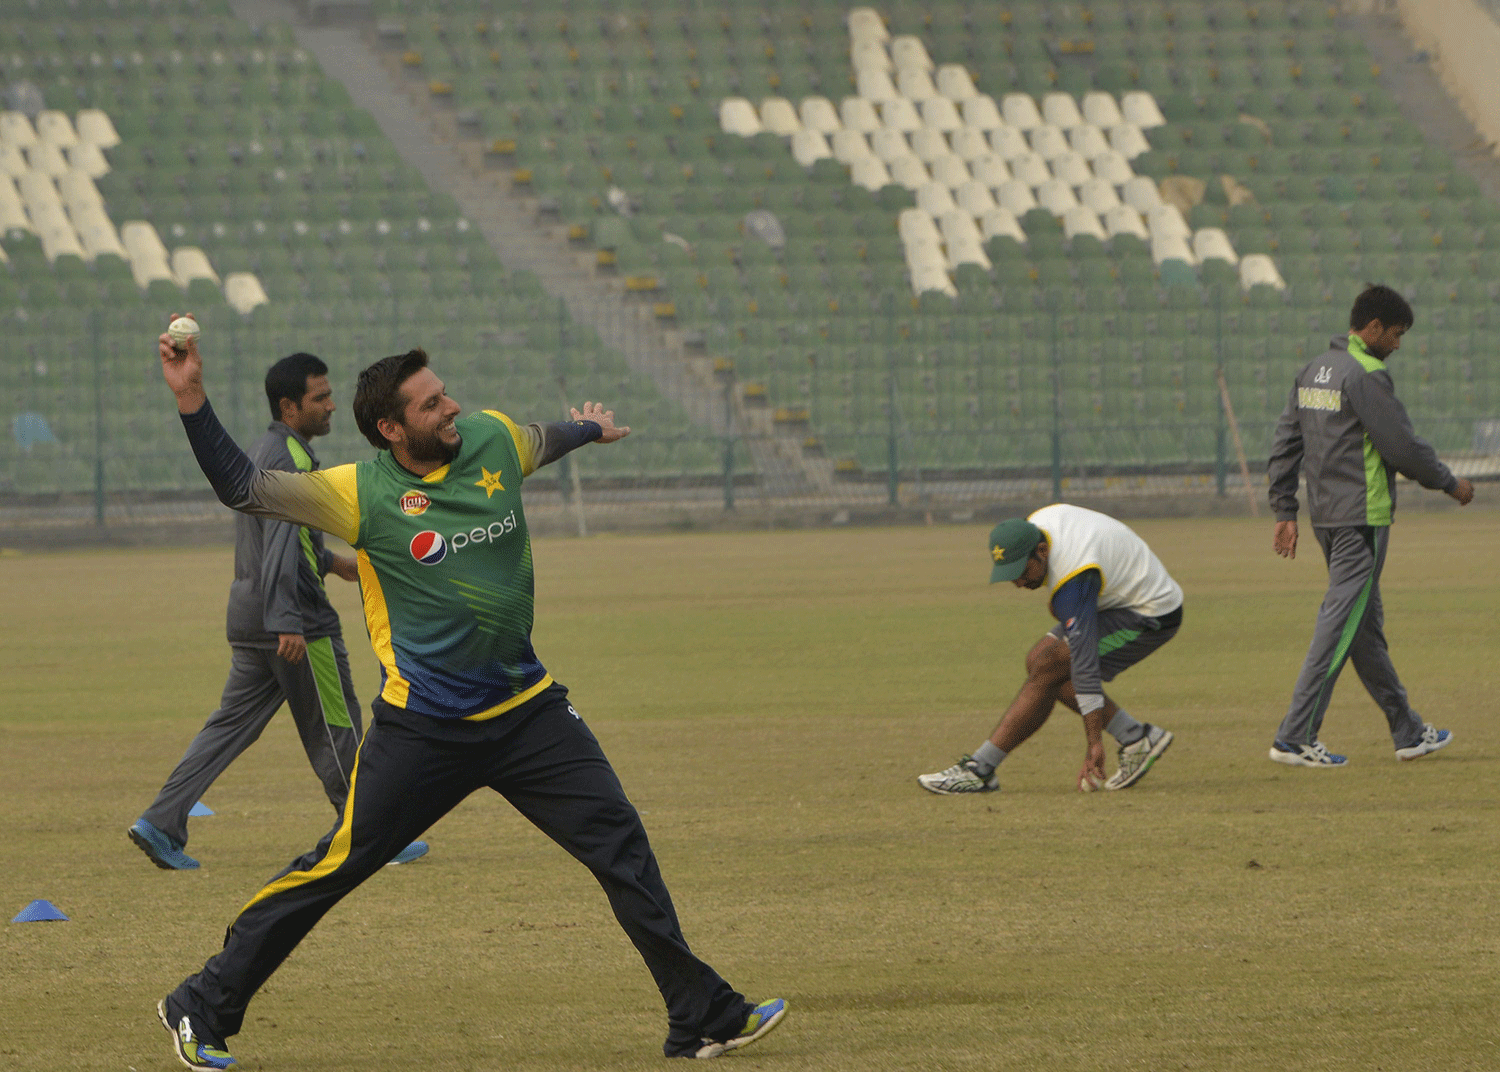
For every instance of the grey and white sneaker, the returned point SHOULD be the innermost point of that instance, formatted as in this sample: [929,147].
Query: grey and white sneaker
[1431,740]
[962,777]
[1138,758]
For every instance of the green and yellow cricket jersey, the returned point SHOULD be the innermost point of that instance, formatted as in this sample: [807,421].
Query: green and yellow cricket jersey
[444,560]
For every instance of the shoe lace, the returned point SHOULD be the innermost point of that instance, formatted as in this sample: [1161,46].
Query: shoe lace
[1319,750]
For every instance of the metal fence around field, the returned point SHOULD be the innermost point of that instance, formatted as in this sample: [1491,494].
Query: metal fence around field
[1057,396]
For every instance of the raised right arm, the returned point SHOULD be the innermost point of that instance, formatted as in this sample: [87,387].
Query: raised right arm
[325,499]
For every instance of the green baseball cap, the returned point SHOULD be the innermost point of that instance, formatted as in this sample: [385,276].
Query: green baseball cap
[1011,544]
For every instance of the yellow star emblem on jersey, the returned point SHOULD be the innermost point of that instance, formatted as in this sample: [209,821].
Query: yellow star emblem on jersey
[490,482]
[999,553]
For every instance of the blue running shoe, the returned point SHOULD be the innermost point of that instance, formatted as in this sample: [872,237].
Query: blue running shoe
[415,851]
[1431,740]
[165,852]
[1306,755]
[761,1022]
[193,1048]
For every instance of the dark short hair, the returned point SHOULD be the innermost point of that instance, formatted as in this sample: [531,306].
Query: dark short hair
[377,395]
[288,379]
[1377,302]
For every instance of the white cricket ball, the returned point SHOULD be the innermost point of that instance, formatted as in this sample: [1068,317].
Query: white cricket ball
[1087,783]
[181,330]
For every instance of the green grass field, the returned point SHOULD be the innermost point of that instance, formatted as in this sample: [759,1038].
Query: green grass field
[769,700]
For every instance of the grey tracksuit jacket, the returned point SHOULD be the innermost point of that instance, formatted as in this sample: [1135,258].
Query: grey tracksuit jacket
[1345,428]
[279,567]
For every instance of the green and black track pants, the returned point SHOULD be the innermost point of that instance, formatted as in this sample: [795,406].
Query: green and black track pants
[413,770]
[1350,627]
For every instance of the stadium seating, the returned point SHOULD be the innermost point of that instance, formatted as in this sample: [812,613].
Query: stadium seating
[238,180]
[1188,174]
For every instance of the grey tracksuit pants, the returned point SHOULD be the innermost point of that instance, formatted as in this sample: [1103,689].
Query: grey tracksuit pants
[320,693]
[1350,626]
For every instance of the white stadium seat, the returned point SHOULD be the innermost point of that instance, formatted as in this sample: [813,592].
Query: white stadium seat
[1047,141]
[935,199]
[1140,108]
[779,117]
[970,143]
[1256,268]
[1001,223]
[1081,220]
[907,50]
[818,114]
[1072,169]
[950,170]
[929,144]
[12,161]
[953,82]
[88,158]
[1031,169]
[16,129]
[913,225]
[1165,221]
[1112,166]
[1020,111]
[900,114]
[981,112]
[1100,109]
[1211,243]
[990,170]
[1009,142]
[808,147]
[1171,247]
[1122,219]
[1056,196]
[737,116]
[890,145]
[974,197]
[1141,194]
[931,276]
[849,145]
[875,85]
[915,84]
[47,158]
[1088,141]
[243,292]
[870,56]
[190,263]
[1061,110]
[859,114]
[865,23]
[1127,140]
[56,128]
[940,113]
[1099,195]
[12,209]
[1015,197]
[95,128]
[869,172]
[910,172]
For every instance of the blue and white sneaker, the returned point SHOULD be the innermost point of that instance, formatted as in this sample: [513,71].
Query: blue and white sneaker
[1306,755]
[761,1022]
[1431,740]
[962,777]
[193,1047]
[415,851]
[165,852]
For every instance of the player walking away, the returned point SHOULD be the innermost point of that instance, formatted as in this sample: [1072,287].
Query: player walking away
[283,634]
[1115,604]
[445,568]
[1347,432]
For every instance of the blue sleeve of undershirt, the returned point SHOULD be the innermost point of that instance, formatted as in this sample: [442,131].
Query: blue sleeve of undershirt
[1076,606]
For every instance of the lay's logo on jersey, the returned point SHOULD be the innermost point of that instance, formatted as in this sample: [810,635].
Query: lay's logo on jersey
[414,504]
[429,548]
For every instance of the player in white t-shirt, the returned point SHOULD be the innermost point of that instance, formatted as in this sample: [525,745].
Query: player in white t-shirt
[1115,604]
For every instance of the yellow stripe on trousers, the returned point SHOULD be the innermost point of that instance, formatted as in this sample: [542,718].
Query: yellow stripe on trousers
[333,859]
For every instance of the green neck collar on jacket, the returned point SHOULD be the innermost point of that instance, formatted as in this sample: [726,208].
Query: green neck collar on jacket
[1369,361]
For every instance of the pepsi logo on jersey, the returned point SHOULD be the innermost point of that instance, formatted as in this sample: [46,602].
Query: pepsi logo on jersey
[430,548]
